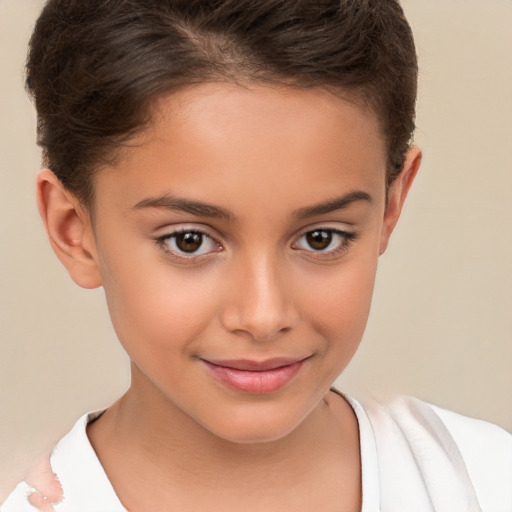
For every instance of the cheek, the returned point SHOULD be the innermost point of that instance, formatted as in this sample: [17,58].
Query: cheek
[163,308]
[341,303]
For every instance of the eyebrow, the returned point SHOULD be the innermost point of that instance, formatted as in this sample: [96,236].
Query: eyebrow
[184,205]
[332,205]
[202,209]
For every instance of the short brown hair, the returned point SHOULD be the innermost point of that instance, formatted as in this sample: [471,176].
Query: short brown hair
[94,66]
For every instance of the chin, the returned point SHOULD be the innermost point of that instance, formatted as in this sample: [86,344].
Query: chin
[254,425]
[254,434]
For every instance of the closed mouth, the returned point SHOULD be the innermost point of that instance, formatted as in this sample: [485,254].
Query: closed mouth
[255,377]
[256,366]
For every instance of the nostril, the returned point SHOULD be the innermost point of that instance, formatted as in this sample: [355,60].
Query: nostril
[258,327]
[263,308]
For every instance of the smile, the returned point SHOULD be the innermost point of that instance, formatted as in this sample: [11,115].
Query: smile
[255,377]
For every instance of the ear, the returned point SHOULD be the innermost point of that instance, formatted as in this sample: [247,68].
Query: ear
[397,194]
[69,230]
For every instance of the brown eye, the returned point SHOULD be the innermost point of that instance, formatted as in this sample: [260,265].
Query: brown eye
[189,241]
[188,244]
[325,242]
[319,240]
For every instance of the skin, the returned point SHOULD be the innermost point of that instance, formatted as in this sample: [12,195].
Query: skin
[257,290]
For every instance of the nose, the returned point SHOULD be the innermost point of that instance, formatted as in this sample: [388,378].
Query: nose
[260,302]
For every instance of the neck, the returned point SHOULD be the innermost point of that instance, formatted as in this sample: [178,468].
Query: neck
[166,445]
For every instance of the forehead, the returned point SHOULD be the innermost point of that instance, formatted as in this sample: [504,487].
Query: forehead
[248,110]
[222,141]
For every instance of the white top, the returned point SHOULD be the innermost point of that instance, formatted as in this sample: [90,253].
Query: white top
[414,457]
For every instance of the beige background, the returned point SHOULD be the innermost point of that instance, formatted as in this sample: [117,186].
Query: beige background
[442,318]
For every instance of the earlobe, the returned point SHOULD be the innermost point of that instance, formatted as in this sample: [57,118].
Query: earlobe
[69,230]
[397,195]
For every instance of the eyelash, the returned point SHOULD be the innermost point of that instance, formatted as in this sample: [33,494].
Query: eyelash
[164,241]
[347,238]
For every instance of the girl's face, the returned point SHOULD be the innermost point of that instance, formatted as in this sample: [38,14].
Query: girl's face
[237,243]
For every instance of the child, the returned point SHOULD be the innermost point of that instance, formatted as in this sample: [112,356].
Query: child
[230,172]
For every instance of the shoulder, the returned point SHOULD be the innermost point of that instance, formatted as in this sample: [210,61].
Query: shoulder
[67,480]
[487,453]
[466,458]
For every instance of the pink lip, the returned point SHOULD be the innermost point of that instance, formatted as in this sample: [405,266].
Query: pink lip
[256,377]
